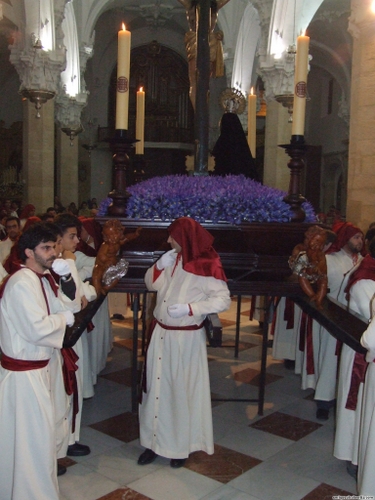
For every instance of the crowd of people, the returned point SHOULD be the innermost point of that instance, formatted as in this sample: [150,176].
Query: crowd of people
[46,264]
[45,271]
[341,377]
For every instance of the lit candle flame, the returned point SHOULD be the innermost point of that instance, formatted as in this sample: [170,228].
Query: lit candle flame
[252,91]
[123,27]
[141,89]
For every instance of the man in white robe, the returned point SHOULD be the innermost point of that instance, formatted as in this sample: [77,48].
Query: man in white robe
[32,324]
[366,458]
[344,256]
[13,229]
[175,414]
[100,342]
[67,439]
[361,290]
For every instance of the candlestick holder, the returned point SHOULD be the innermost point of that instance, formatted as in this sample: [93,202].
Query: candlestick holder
[138,168]
[296,150]
[121,145]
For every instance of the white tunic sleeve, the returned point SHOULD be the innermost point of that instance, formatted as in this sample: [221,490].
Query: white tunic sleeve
[84,265]
[368,341]
[24,313]
[361,294]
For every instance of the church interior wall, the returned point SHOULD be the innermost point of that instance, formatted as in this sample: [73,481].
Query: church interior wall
[324,127]
[101,173]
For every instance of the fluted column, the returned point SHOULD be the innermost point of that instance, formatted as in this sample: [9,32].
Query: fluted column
[361,178]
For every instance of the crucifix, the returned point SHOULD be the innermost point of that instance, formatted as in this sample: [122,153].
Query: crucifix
[205,59]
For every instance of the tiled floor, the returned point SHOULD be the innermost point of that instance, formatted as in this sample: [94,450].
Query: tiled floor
[284,454]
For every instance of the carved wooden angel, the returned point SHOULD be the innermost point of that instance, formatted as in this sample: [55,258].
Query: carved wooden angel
[308,262]
[109,269]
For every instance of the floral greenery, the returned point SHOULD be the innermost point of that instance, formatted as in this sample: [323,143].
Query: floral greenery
[232,199]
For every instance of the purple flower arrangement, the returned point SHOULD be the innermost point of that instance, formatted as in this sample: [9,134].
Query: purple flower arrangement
[233,199]
[103,207]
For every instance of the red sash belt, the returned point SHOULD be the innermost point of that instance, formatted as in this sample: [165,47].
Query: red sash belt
[306,336]
[189,327]
[358,376]
[69,369]
[22,365]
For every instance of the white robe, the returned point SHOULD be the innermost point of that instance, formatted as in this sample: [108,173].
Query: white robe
[175,414]
[339,265]
[27,417]
[348,421]
[5,248]
[285,341]
[3,273]
[63,402]
[366,459]
[98,343]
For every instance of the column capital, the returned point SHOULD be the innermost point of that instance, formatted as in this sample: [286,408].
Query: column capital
[68,109]
[277,75]
[37,69]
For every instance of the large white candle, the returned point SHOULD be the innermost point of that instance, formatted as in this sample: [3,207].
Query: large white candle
[300,85]
[140,123]
[123,72]
[252,122]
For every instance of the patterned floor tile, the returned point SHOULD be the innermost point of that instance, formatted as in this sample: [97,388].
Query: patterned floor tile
[326,492]
[242,346]
[121,376]
[124,427]
[128,344]
[286,426]
[225,323]
[124,494]
[246,313]
[223,466]
[251,376]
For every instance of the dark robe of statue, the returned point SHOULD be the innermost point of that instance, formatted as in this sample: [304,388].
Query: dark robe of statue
[231,151]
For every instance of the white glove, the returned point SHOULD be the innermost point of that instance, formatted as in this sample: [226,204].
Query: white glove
[69,317]
[61,267]
[178,310]
[167,259]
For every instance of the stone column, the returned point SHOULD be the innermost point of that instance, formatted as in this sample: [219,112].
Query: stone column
[278,77]
[361,178]
[278,131]
[68,116]
[66,168]
[38,155]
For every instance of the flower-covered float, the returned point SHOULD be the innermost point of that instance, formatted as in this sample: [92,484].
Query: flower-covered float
[250,222]
[232,199]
